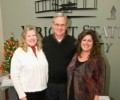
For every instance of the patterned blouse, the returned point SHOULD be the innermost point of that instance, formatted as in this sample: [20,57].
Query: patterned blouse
[88,78]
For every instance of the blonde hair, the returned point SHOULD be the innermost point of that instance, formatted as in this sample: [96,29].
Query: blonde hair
[22,42]
[60,15]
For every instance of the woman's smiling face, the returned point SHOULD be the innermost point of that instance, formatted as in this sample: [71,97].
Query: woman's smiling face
[87,43]
[31,38]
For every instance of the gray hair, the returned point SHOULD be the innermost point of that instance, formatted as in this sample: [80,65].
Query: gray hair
[60,15]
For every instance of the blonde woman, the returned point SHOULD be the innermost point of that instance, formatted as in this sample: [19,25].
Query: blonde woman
[29,67]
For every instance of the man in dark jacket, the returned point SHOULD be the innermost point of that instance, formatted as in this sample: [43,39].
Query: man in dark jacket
[59,49]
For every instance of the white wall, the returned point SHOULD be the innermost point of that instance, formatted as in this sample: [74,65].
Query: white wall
[1,49]
[17,13]
[1,35]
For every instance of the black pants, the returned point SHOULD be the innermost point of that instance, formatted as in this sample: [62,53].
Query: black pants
[56,91]
[36,95]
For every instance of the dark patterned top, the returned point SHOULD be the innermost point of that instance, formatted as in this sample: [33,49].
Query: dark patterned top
[89,78]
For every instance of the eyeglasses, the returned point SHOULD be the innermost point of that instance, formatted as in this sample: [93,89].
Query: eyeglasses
[61,25]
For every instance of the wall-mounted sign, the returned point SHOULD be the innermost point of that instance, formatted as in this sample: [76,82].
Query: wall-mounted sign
[66,6]
[112,13]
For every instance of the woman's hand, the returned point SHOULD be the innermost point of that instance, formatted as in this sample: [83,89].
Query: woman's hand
[24,98]
[96,97]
